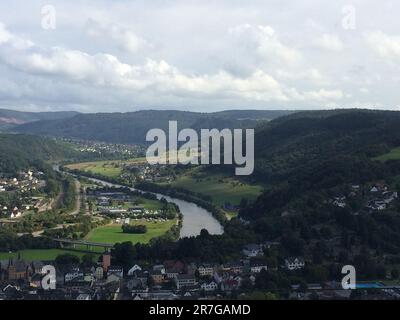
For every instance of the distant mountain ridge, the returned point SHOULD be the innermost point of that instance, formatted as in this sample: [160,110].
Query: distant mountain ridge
[131,127]
[11,118]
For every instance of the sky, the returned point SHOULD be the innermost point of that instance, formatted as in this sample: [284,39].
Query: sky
[120,55]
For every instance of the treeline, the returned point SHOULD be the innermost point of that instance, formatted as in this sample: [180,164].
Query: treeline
[9,241]
[136,229]
[19,152]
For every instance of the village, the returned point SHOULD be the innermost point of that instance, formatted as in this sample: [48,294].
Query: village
[26,188]
[370,198]
[168,280]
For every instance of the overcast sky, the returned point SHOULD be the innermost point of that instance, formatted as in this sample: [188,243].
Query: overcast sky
[120,55]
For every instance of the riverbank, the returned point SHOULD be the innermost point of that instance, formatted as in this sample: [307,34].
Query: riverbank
[197,214]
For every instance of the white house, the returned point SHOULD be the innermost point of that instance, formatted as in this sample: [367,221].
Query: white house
[132,270]
[209,286]
[252,250]
[206,270]
[185,280]
[257,267]
[294,263]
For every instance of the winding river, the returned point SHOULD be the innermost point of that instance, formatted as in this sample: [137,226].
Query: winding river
[195,218]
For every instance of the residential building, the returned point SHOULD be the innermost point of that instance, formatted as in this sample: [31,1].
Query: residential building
[185,280]
[294,263]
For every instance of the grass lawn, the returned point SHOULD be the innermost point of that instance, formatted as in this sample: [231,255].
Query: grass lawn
[394,154]
[113,233]
[39,254]
[221,188]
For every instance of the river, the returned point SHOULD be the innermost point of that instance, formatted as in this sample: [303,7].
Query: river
[195,218]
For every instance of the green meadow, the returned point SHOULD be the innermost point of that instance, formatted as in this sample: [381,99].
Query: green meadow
[39,254]
[221,188]
[393,154]
[113,233]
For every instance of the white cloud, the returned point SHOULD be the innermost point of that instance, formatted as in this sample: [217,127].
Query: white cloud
[209,55]
[106,70]
[329,42]
[123,38]
[266,43]
[386,46]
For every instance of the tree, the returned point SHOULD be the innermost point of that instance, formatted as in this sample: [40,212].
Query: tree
[123,254]
[87,260]
[67,259]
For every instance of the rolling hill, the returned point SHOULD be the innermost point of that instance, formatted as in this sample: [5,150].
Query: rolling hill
[11,118]
[132,127]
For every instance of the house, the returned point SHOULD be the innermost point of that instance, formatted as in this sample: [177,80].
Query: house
[256,267]
[83,296]
[73,275]
[205,270]
[209,286]
[294,263]
[234,267]
[36,280]
[374,189]
[185,280]
[142,275]
[136,284]
[339,202]
[172,273]
[37,266]
[157,276]
[252,250]
[159,267]
[99,273]
[115,270]
[132,270]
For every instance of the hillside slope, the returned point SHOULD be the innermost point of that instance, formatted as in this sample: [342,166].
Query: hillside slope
[21,151]
[132,127]
[11,118]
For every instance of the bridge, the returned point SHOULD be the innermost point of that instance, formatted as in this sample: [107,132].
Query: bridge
[88,244]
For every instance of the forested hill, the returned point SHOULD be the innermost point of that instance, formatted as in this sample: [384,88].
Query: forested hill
[18,152]
[132,127]
[304,154]
[11,118]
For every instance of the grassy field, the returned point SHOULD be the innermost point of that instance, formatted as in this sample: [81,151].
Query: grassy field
[221,188]
[39,254]
[106,168]
[113,233]
[111,168]
[394,154]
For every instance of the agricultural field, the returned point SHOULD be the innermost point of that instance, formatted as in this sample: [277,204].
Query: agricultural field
[394,154]
[111,168]
[39,254]
[113,233]
[219,187]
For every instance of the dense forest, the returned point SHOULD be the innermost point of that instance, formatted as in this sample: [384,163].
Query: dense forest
[132,127]
[18,152]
